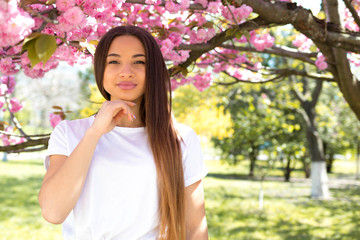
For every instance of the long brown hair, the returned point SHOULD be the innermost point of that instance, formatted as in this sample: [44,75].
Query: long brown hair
[155,110]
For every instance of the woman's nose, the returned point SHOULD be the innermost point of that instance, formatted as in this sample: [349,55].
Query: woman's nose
[125,72]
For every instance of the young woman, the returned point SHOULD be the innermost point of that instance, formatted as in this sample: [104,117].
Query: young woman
[130,171]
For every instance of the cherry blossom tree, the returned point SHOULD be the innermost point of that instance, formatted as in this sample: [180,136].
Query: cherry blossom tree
[199,39]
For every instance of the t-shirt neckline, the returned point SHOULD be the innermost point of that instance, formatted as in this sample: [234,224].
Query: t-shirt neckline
[124,129]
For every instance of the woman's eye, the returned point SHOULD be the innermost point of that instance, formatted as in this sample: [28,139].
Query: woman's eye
[139,62]
[113,62]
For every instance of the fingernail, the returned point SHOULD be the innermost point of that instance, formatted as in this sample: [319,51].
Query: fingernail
[134,116]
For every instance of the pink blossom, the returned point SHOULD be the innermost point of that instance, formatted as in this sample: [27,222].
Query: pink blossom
[184,55]
[257,66]
[302,42]
[218,67]
[25,61]
[262,42]
[15,23]
[166,47]
[9,81]
[102,29]
[210,33]
[33,73]
[239,13]
[15,105]
[201,34]
[10,140]
[175,38]
[172,7]
[63,25]
[200,19]
[321,62]
[7,67]
[14,50]
[153,2]
[241,59]
[244,11]
[202,81]
[1,103]
[50,64]
[74,15]
[214,7]
[55,119]
[64,5]
[184,4]
[91,7]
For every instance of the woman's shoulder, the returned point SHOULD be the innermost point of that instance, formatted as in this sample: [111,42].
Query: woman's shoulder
[185,131]
[77,124]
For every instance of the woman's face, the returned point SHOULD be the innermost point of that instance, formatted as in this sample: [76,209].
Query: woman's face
[125,69]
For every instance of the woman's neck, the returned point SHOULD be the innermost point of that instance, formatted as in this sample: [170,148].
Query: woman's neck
[135,122]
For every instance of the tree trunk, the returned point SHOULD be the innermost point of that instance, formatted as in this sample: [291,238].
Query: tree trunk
[358,161]
[306,167]
[252,156]
[319,179]
[347,82]
[330,162]
[287,169]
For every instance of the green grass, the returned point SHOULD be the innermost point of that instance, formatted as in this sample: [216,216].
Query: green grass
[233,209]
[231,203]
[20,216]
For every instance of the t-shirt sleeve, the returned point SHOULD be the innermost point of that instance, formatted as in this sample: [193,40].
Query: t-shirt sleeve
[193,160]
[57,143]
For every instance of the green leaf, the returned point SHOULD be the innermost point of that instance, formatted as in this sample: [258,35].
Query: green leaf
[231,31]
[29,39]
[208,24]
[247,35]
[192,24]
[238,35]
[49,2]
[184,72]
[33,57]
[45,46]
[174,29]
[57,107]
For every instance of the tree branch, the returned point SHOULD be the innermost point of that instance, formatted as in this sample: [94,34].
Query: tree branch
[304,21]
[14,119]
[237,80]
[30,149]
[25,145]
[299,96]
[194,6]
[316,93]
[279,51]
[349,84]
[16,135]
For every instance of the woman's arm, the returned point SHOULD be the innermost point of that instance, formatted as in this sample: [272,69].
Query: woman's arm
[195,219]
[65,178]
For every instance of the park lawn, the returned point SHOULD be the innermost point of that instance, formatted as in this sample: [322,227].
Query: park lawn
[231,204]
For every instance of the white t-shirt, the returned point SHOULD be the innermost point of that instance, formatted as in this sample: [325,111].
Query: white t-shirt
[120,197]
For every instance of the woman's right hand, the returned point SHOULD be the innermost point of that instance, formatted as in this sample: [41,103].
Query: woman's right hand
[110,113]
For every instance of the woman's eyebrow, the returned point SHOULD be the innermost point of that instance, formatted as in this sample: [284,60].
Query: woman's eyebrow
[113,55]
[117,55]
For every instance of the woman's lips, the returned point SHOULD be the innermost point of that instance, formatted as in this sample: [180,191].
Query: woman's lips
[126,85]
